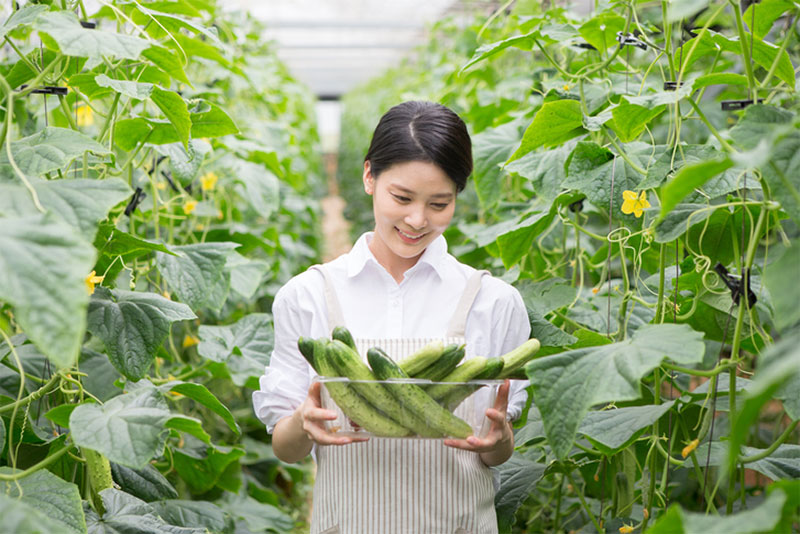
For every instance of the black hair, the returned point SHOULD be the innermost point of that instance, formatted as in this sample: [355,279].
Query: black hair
[422,131]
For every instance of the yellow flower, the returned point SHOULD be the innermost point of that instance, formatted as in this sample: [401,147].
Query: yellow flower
[634,205]
[208,181]
[595,290]
[566,87]
[161,186]
[190,341]
[189,206]
[91,280]
[687,450]
[85,115]
[625,529]
[166,295]
[199,227]
[220,215]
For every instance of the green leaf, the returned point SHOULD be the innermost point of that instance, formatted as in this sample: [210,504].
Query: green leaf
[132,326]
[525,42]
[720,78]
[74,40]
[764,54]
[47,150]
[780,277]
[19,517]
[195,271]
[44,495]
[194,514]
[517,243]
[194,47]
[146,483]
[566,385]
[114,245]
[25,15]
[492,147]
[782,173]
[684,9]
[174,108]
[175,22]
[189,425]
[679,220]
[136,90]
[42,275]
[201,394]
[258,186]
[761,518]
[518,477]
[245,346]
[780,363]
[257,516]
[246,274]
[759,122]
[765,16]
[203,469]
[615,429]
[86,84]
[81,203]
[601,30]
[555,122]
[544,169]
[128,133]
[546,296]
[125,514]
[184,165]
[168,62]
[60,414]
[128,429]
[630,120]
[653,99]
[212,122]
[689,178]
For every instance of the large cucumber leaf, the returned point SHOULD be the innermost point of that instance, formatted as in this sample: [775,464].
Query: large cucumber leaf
[43,494]
[125,514]
[132,325]
[47,150]
[566,385]
[518,477]
[244,346]
[146,483]
[196,271]
[43,268]
[64,28]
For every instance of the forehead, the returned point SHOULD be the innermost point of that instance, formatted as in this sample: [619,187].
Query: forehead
[418,177]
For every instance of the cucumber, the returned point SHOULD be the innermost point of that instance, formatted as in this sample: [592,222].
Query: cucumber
[517,358]
[444,365]
[350,402]
[456,396]
[349,364]
[462,373]
[306,347]
[343,334]
[421,359]
[414,397]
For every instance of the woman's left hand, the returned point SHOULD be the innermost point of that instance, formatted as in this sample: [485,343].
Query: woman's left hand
[498,444]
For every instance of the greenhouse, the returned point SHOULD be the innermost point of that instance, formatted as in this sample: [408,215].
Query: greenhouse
[356,266]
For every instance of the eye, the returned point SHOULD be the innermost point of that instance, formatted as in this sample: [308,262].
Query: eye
[401,198]
[440,205]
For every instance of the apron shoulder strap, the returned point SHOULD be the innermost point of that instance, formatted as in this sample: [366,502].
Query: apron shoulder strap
[335,315]
[458,322]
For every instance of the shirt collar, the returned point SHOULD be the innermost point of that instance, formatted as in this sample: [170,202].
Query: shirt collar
[360,255]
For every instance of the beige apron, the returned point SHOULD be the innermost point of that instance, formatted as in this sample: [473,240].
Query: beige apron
[402,486]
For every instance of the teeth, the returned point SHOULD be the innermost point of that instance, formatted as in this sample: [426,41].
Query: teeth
[410,236]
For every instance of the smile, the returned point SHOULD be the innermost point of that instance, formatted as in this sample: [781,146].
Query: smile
[408,237]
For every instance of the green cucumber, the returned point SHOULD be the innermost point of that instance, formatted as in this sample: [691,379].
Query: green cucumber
[350,364]
[517,358]
[306,347]
[442,367]
[343,334]
[456,396]
[464,372]
[350,402]
[421,359]
[414,397]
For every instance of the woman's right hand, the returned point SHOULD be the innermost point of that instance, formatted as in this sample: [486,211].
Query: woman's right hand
[312,417]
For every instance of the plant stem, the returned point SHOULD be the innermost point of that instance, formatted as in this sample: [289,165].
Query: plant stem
[748,65]
[697,372]
[39,393]
[583,502]
[662,267]
[728,148]
[623,155]
[774,66]
[32,469]
[766,452]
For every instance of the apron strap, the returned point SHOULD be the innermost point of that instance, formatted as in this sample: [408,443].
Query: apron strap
[458,322]
[335,315]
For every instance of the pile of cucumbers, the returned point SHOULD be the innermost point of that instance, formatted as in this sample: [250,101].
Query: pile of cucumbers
[407,409]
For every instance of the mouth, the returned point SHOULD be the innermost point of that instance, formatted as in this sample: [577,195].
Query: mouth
[409,238]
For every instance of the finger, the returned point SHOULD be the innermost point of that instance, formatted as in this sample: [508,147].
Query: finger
[320,414]
[314,393]
[501,400]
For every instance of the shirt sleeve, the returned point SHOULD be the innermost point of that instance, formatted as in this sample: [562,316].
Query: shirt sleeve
[284,385]
[510,329]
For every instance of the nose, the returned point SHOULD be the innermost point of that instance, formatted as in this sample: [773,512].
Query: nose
[415,217]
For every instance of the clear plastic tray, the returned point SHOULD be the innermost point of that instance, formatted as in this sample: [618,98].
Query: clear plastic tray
[421,421]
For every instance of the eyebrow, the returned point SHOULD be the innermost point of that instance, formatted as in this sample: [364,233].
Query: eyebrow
[437,195]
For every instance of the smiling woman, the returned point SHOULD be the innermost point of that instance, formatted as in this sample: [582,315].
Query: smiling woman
[400,287]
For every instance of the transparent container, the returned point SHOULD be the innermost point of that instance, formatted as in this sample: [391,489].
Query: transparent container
[407,409]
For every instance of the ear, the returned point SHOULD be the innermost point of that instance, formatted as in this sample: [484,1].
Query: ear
[369,180]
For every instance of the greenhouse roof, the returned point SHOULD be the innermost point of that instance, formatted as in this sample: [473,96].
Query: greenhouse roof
[333,45]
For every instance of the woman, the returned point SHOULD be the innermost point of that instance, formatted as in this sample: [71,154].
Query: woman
[398,288]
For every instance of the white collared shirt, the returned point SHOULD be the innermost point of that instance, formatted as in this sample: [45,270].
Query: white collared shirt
[374,305]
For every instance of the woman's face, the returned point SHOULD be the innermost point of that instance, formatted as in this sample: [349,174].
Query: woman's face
[413,203]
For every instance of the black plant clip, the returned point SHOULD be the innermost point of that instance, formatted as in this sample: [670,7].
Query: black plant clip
[733,105]
[737,285]
[576,206]
[135,200]
[586,46]
[672,86]
[48,90]
[630,40]
[88,24]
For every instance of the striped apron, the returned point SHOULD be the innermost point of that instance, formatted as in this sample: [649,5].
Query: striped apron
[402,486]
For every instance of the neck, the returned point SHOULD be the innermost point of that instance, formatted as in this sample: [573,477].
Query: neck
[395,265]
